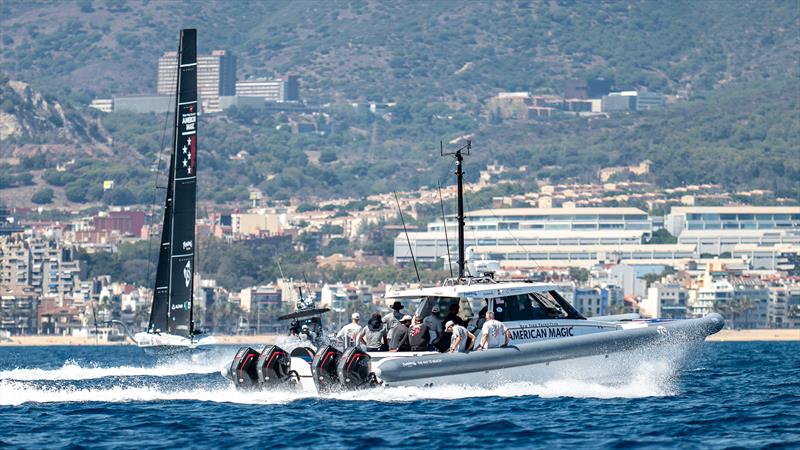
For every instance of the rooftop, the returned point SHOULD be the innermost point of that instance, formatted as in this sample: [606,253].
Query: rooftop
[475,290]
[554,211]
[528,234]
[736,209]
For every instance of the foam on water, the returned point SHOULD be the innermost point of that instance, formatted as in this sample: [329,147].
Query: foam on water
[649,381]
[72,370]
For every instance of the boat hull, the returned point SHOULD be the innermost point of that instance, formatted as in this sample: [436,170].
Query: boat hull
[167,344]
[594,356]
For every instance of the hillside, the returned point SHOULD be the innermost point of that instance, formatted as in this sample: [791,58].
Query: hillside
[28,117]
[446,50]
[737,121]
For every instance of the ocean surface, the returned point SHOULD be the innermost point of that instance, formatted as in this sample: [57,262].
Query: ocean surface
[726,395]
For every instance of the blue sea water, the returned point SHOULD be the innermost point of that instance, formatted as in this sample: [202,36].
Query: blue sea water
[727,395]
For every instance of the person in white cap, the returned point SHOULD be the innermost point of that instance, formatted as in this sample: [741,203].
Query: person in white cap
[349,332]
[434,324]
[458,343]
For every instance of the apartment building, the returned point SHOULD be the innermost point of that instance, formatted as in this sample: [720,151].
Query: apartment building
[46,266]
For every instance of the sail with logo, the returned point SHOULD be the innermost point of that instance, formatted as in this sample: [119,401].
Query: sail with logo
[171,324]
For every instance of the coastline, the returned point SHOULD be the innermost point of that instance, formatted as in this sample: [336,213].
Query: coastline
[768,335]
[44,340]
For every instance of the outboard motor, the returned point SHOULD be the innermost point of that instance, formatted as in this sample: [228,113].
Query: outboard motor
[353,369]
[323,368]
[274,367]
[243,369]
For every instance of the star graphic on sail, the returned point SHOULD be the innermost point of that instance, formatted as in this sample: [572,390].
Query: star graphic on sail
[184,150]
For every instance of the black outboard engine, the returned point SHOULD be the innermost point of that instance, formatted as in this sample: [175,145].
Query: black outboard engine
[323,368]
[274,367]
[353,369]
[243,369]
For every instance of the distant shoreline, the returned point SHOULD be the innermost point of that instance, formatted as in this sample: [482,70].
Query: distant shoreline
[44,340]
[41,340]
[769,334]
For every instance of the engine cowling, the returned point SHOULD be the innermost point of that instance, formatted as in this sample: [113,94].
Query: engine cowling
[274,367]
[353,369]
[323,368]
[243,369]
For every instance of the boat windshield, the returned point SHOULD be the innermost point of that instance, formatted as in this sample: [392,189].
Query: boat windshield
[532,306]
[466,306]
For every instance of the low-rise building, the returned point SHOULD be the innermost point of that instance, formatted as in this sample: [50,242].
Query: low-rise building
[668,300]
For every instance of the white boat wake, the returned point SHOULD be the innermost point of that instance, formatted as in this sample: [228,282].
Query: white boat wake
[73,371]
[649,381]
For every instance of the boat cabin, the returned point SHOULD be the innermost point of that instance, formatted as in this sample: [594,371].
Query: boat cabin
[510,301]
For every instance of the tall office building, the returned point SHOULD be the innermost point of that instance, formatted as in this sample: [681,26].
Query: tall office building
[216,76]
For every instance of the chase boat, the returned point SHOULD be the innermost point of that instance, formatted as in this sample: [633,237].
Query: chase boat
[549,340]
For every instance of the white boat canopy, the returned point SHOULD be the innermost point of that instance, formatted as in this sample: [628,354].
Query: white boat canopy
[488,290]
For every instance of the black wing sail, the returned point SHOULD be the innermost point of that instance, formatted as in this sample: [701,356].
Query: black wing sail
[172,300]
[158,312]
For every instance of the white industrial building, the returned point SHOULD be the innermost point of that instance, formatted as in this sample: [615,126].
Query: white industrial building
[431,246]
[562,219]
[696,218]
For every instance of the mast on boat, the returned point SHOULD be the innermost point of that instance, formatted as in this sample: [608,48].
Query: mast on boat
[459,157]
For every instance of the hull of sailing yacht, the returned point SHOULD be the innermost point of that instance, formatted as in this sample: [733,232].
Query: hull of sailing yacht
[164,344]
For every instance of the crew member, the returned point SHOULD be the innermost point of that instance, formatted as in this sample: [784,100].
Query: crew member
[434,325]
[399,342]
[348,332]
[458,343]
[392,319]
[494,333]
[307,334]
[452,315]
[418,335]
[481,319]
[373,335]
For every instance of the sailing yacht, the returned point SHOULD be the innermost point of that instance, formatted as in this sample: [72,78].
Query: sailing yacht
[548,340]
[171,324]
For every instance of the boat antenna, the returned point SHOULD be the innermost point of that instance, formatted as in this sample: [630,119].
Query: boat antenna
[444,224]
[280,269]
[400,211]
[459,157]
[94,314]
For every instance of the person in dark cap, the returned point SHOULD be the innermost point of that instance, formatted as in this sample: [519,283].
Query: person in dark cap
[399,342]
[373,336]
[392,319]
[452,315]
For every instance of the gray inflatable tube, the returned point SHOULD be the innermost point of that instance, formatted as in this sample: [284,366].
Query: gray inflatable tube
[428,366]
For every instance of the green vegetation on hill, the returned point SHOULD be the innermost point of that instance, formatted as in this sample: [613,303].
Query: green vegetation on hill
[425,51]
[735,68]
